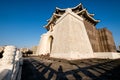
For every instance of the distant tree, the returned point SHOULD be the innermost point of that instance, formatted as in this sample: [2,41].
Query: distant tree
[29,52]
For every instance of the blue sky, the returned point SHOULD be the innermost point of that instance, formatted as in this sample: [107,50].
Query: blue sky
[22,21]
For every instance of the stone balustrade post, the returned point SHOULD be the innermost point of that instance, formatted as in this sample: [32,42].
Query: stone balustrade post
[8,55]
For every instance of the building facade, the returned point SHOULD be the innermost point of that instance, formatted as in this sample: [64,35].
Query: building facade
[72,33]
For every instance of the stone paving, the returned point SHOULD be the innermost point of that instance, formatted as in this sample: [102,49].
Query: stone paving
[37,68]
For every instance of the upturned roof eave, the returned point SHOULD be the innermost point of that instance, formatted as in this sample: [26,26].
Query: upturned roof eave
[51,19]
[88,15]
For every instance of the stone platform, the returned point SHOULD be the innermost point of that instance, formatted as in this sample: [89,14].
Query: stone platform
[45,68]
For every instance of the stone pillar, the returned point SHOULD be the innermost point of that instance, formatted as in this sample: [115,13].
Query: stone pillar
[8,55]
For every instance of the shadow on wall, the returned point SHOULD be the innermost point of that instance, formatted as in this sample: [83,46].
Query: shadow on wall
[36,70]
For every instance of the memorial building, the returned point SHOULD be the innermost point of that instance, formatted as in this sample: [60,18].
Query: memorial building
[72,34]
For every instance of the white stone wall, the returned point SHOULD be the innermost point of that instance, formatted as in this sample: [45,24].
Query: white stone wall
[43,47]
[70,38]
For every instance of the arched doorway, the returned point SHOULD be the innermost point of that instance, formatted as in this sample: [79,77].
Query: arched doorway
[50,42]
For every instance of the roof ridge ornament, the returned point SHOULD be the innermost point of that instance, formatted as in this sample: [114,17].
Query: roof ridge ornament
[79,5]
[57,8]
[68,10]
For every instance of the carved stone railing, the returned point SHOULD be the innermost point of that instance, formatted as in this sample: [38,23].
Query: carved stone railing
[11,64]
